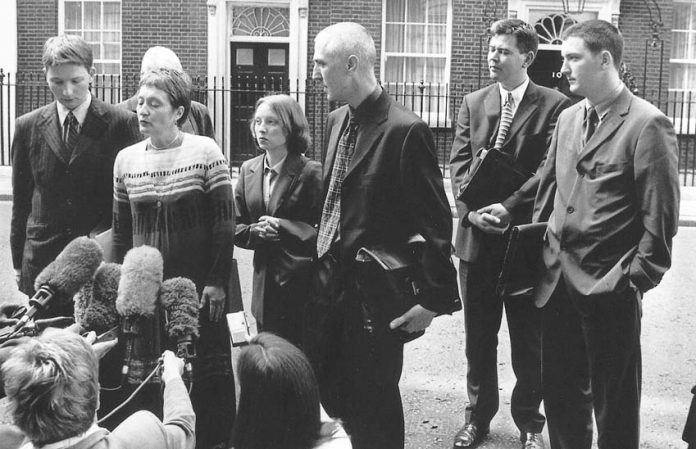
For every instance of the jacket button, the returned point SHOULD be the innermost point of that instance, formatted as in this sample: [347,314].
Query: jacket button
[159,204]
[570,209]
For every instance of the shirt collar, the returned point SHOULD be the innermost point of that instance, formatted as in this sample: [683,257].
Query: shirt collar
[517,92]
[276,168]
[79,112]
[363,111]
[607,104]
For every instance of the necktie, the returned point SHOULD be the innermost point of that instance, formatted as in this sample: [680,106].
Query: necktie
[70,133]
[268,188]
[505,121]
[590,123]
[331,213]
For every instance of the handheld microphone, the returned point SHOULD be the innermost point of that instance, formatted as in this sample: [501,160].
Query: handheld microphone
[63,277]
[180,301]
[95,303]
[141,279]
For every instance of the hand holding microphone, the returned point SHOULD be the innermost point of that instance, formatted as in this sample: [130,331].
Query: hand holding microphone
[172,366]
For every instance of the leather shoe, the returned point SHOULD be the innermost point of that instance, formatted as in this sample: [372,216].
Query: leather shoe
[469,436]
[533,441]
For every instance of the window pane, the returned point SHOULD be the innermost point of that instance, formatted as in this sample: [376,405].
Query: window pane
[692,45]
[245,56]
[276,57]
[415,68]
[415,38]
[437,11]
[73,15]
[416,11]
[679,43]
[396,10]
[112,51]
[112,36]
[435,70]
[681,16]
[437,39]
[111,67]
[394,38]
[393,72]
[112,16]
[92,13]
[92,36]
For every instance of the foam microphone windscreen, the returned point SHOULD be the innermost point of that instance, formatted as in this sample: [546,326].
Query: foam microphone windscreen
[100,312]
[73,268]
[141,279]
[180,299]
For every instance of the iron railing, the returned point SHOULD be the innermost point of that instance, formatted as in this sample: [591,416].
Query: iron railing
[231,103]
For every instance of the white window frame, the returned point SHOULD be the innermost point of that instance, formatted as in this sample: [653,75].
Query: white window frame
[61,29]
[689,127]
[434,119]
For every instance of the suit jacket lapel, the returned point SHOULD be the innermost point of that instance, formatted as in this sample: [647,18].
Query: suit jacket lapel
[370,131]
[611,122]
[286,180]
[253,189]
[332,146]
[51,130]
[524,111]
[492,109]
[92,129]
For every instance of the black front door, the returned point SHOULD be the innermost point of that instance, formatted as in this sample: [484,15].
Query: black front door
[546,71]
[257,70]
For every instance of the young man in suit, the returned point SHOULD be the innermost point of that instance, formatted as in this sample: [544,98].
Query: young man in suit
[610,185]
[481,242]
[199,121]
[381,186]
[63,156]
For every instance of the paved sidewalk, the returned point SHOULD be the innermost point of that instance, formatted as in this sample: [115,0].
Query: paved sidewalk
[687,213]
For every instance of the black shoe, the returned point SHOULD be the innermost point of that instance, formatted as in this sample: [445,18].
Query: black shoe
[533,440]
[469,436]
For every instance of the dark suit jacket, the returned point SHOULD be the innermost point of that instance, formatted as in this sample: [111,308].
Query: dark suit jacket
[613,203]
[527,141]
[296,203]
[393,189]
[198,121]
[55,200]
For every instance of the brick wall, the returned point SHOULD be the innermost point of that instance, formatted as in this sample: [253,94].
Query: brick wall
[37,20]
[181,25]
[634,23]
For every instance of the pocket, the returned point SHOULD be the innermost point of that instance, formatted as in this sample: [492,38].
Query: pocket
[601,169]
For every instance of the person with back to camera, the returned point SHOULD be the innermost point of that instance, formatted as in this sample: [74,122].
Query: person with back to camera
[277,205]
[52,385]
[279,404]
[481,240]
[62,160]
[173,192]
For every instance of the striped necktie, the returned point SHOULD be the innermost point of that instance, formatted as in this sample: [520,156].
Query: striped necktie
[70,133]
[505,121]
[331,213]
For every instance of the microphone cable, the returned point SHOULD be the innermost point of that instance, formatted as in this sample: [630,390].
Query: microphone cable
[132,395]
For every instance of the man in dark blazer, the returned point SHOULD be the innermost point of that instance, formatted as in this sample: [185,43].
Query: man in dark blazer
[610,186]
[199,121]
[63,156]
[390,189]
[481,242]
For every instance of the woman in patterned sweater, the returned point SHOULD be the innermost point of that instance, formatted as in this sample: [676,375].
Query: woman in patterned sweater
[173,191]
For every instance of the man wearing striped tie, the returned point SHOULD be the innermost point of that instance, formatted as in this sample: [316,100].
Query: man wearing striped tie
[517,117]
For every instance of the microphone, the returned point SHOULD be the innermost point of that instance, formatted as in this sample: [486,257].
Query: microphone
[95,303]
[141,279]
[63,277]
[180,301]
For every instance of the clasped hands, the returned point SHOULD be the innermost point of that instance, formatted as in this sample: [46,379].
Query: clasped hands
[267,228]
[492,219]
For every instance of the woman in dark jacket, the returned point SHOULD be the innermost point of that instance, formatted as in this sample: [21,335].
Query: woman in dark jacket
[277,202]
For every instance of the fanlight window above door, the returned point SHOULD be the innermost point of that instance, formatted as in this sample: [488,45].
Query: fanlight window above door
[261,21]
[550,28]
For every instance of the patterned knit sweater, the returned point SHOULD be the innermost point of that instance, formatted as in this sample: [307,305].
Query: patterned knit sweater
[180,201]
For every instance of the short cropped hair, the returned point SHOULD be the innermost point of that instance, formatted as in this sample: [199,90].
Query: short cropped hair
[346,38]
[527,37]
[279,397]
[599,35]
[291,118]
[52,383]
[159,57]
[67,49]
[176,84]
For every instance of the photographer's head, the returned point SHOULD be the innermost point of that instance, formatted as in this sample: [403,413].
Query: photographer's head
[52,385]
[279,396]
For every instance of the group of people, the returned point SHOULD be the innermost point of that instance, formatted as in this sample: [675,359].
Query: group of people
[605,179]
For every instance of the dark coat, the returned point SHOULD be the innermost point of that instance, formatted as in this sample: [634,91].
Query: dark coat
[295,201]
[527,141]
[393,189]
[54,200]
[198,121]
